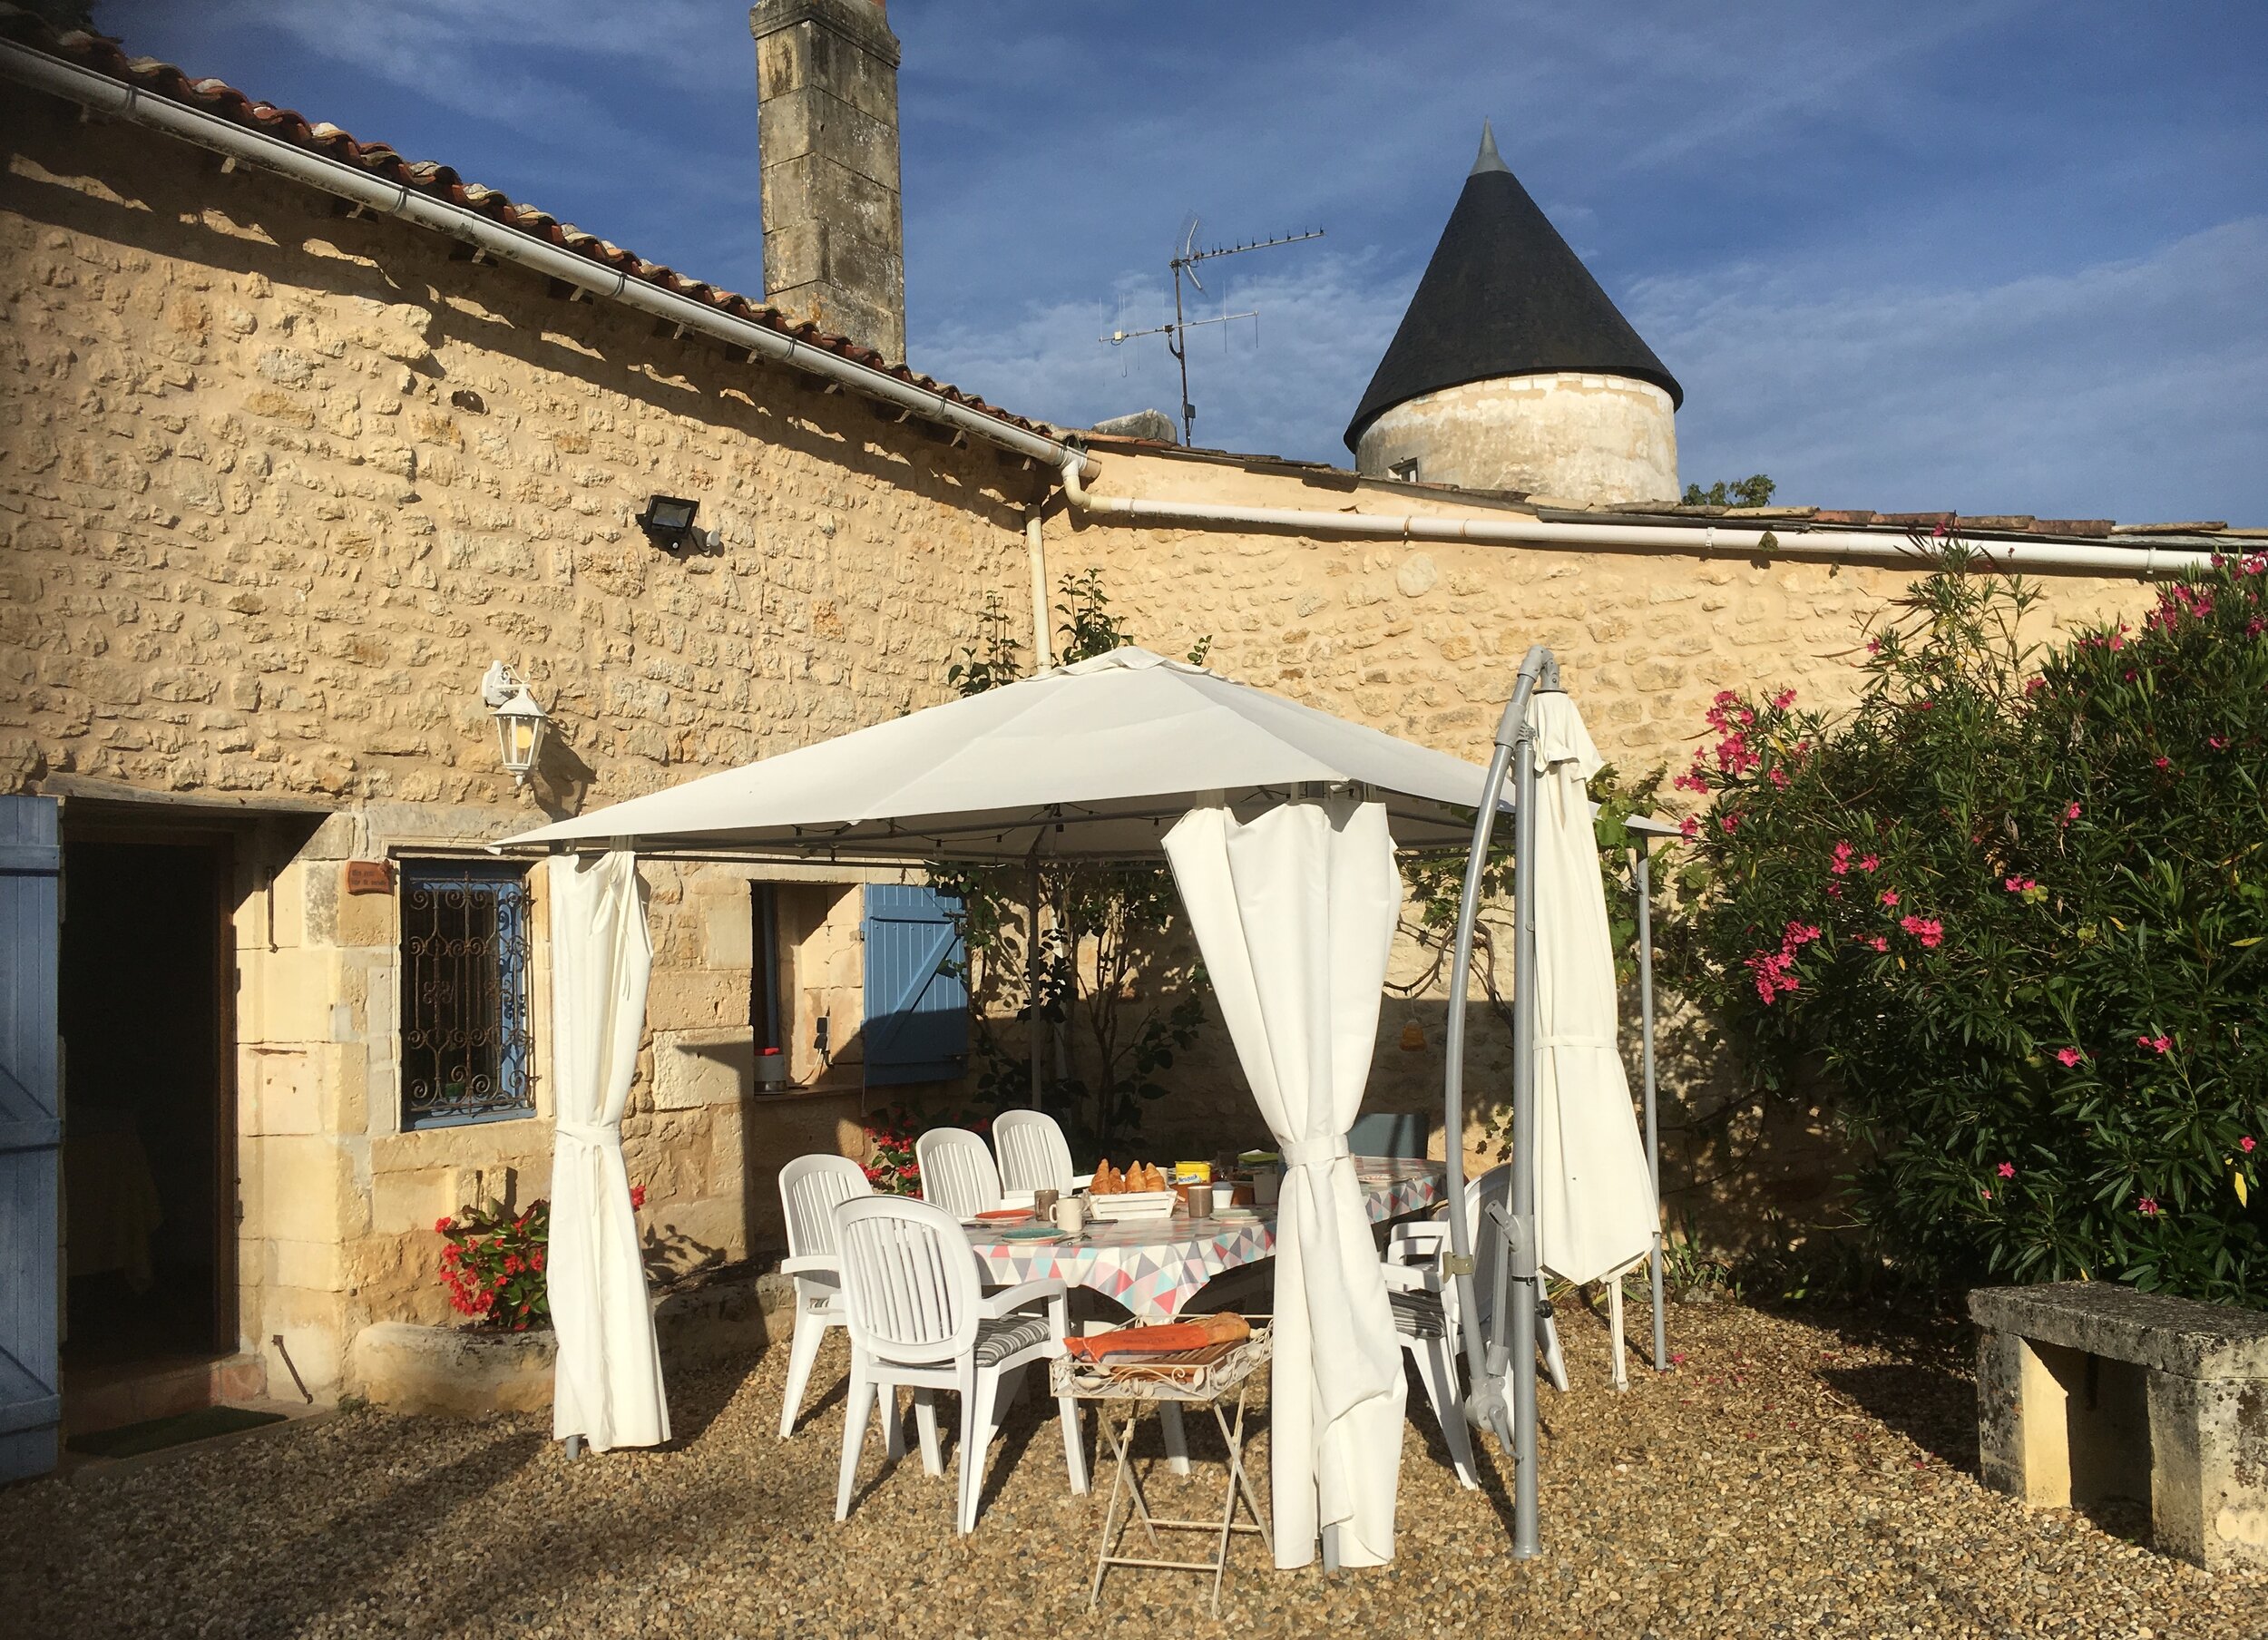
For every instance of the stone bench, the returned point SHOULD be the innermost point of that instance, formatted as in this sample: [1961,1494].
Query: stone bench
[2089,1394]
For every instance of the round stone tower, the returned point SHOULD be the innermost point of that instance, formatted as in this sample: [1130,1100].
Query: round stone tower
[1513,371]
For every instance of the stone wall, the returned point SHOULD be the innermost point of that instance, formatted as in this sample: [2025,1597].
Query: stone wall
[1423,640]
[275,486]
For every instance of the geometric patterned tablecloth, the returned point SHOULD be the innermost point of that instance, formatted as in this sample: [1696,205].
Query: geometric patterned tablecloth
[1152,1266]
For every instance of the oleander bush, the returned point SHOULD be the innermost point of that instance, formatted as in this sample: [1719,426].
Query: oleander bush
[2008,914]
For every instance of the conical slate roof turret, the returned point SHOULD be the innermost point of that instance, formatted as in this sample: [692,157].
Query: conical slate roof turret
[1503,296]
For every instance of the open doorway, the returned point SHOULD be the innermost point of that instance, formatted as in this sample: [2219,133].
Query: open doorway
[148,1157]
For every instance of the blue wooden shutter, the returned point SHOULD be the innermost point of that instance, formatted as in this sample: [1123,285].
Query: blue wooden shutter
[31,1136]
[918,998]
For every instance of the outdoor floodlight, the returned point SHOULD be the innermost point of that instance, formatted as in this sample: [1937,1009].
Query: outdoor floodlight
[520,722]
[668,521]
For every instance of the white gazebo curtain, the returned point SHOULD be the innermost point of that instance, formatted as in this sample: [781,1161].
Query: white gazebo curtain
[1294,914]
[607,1385]
[1596,1213]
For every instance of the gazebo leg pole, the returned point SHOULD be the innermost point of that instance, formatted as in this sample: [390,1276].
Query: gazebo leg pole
[1653,1132]
[1031,971]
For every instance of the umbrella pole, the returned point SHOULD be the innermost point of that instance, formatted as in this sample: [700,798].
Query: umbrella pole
[1527,1286]
[1484,1405]
[1653,1133]
[1032,970]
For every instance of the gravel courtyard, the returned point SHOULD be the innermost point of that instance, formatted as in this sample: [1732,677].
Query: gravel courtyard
[1811,1475]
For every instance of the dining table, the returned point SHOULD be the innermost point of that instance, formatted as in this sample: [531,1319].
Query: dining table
[1154,1266]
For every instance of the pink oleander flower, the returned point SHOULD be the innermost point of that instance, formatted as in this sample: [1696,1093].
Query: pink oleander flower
[1985,1191]
[1778,777]
[2162,1044]
[2163,763]
[1871,862]
[2216,743]
[2017,886]
[2069,1056]
[2147,1206]
[1876,941]
[1689,827]
[1783,700]
[1841,864]
[2070,814]
[2246,1144]
[2007,1169]
[1927,930]
[1889,896]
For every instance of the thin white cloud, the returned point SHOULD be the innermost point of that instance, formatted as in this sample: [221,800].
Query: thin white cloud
[2126,387]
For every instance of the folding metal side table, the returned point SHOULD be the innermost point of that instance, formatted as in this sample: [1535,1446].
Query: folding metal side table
[1124,1391]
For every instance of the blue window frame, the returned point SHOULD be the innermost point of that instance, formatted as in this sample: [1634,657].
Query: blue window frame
[464,994]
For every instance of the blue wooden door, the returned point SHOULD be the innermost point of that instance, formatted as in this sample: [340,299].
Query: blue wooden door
[917,997]
[31,1136]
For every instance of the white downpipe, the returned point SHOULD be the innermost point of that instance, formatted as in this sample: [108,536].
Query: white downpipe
[108,96]
[1043,644]
[1742,541]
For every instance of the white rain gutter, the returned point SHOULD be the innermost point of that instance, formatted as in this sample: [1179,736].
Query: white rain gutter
[1742,541]
[111,97]
[1035,547]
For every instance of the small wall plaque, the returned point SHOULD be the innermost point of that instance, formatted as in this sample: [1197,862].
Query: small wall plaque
[369,877]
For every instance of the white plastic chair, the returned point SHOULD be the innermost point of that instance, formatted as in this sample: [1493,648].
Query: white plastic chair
[957,1171]
[809,1187]
[1420,1316]
[918,1318]
[1424,1245]
[1034,1154]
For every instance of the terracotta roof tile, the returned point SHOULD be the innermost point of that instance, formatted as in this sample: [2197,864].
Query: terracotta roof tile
[103,56]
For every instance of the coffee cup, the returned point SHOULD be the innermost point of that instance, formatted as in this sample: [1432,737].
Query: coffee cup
[1043,1205]
[1071,1215]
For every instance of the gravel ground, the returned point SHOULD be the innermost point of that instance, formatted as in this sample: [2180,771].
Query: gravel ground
[1797,1475]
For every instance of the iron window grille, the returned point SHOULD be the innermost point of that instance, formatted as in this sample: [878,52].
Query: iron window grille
[464,994]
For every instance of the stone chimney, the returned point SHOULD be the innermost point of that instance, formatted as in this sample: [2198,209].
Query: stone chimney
[826,87]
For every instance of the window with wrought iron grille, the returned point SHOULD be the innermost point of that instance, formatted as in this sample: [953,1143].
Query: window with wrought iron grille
[464,994]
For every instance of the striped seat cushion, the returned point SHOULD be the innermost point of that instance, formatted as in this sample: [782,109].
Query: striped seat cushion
[996,1341]
[1419,1314]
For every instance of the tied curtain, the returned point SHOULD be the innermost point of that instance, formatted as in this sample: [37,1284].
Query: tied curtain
[607,1384]
[1595,1209]
[1294,915]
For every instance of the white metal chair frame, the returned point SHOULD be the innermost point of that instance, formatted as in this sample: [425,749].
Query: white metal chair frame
[958,1173]
[810,1188]
[1033,1154]
[916,1309]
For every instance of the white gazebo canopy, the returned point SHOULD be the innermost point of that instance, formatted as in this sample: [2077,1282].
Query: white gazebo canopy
[1090,761]
[1280,822]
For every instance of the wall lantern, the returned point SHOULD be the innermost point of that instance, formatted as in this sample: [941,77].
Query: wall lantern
[520,722]
[668,521]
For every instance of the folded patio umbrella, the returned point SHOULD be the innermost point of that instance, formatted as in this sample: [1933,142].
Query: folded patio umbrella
[1595,1206]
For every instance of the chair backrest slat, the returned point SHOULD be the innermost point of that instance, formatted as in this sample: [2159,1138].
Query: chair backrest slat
[957,1171]
[1034,1154]
[809,1187]
[910,1285]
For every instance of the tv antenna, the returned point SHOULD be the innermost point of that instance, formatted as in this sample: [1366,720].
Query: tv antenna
[1177,334]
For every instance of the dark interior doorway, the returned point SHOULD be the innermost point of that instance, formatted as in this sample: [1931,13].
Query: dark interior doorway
[148,1157]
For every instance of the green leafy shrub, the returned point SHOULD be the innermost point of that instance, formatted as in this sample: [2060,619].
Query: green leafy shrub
[2008,915]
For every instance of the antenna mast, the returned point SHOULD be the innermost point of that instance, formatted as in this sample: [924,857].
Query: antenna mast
[1184,264]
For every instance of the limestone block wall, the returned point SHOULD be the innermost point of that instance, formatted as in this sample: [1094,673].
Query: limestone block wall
[275,486]
[1423,640]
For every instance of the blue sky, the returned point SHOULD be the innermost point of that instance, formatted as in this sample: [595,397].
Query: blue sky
[1996,257]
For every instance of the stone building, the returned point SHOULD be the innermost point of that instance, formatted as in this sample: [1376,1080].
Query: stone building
[297,438]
